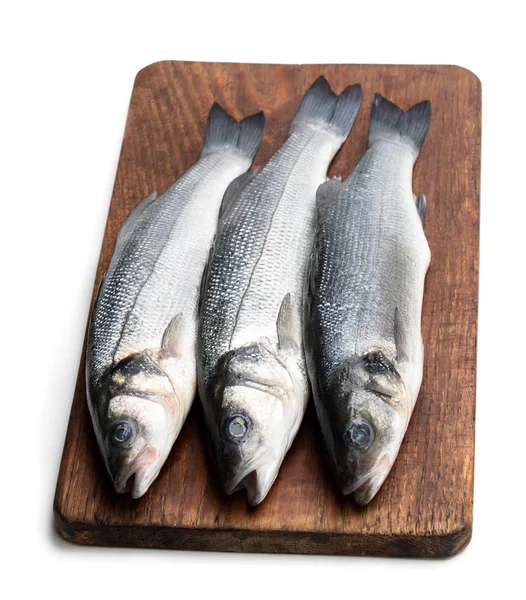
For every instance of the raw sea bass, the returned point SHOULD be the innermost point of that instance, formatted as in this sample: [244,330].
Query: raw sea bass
[141,353]
[251,368]
[362,321]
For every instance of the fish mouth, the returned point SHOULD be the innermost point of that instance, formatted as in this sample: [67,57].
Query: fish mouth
[137,476]
[256,480]
[257,484]
[366,487]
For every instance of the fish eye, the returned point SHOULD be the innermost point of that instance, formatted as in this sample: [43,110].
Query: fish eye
[121,432]
[360,434]
[236,428]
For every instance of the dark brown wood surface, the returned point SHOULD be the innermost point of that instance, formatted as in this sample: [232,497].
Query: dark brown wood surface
[425,507]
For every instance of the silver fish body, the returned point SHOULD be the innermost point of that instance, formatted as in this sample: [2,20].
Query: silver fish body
[141,350]
[251,369]
[363,313]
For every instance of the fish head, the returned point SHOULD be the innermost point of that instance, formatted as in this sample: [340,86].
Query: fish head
[135,443]
[253,425]
[138,425]
[368,420]
[250,445]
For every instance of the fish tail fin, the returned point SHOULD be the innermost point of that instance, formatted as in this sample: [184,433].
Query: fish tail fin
[321,107]
[223,132]
[389,122]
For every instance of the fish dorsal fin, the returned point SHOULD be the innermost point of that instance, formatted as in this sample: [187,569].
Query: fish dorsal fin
[171,336]
[234,190]
[379,375]
[421,207]
[286,324]
[326,196]
[133,218]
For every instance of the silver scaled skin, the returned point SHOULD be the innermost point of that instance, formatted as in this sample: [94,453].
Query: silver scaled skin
[362,318]
[141,351]
[252,375]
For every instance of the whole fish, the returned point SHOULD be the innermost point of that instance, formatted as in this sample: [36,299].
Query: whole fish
[141,351]
[362,320]
[251,369]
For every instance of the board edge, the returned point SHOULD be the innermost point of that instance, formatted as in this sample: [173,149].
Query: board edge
[291,542]
[86,533]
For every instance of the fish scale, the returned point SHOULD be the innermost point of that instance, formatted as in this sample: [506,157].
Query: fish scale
[138,297]
[130,268]
[262,246]
[280,267]
[362,318]
[141,350]
[358,276]
[187,245]
[251,370]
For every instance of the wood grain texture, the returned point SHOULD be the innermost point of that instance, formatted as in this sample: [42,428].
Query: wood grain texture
[425,507]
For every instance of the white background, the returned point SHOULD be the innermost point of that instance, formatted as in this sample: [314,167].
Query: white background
[66,78]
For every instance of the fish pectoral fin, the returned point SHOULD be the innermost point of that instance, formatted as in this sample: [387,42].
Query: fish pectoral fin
[326,195]
[234,190]
[421,207]
[171,336]
[288,332]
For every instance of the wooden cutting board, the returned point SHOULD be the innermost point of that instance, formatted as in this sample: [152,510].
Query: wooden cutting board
[425,508]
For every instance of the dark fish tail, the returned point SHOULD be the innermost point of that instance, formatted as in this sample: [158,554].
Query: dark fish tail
[389,122]
[323,108]
[225,133]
